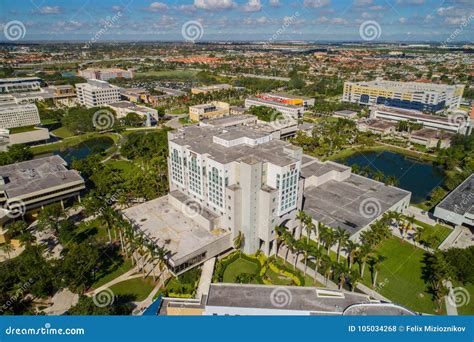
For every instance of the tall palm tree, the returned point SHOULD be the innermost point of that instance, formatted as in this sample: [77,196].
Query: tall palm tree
[341,237]
[351,248]
[280,237]
[355,278]
[300,216]
[239,241]
[309,227]
[375,262]
[330,240]
[317,254]
[362,256]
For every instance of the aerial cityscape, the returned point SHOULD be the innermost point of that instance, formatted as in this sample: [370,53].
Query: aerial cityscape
[237,158]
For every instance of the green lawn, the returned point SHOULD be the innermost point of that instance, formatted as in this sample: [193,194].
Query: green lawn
[17,130]
[113,271]
[238,267]
[467,307]
[438,232]
[400,276]
[62,132]
[137,288]
[183,286]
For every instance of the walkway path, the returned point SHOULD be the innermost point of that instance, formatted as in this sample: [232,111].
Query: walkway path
[206,278]
[126,276]
[421,215]
[451,310]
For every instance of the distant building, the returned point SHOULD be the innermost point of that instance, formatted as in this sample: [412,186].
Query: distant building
[122,108]
[431,138]
[209,111]
[211,88]
[38,182]
[426,97]
[446,123]
[105,74]
[380,127]
[137,95]
[8,85]
[345,114]
[289,110]
[97,93]
[290,99]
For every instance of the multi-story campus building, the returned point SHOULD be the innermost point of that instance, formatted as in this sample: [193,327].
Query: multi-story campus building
[38,182]
[96,93]
[230,180]
[105,74]
[8,85]
[426,97]
[288,110]
[209,111]
[445,123]
[14,115]
[211,88]
[122,108]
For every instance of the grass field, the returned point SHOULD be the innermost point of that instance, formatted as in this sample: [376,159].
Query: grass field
[438,232]
[115,270]
[238,267]
[137,288]
[400,276]
[17,130]
[62,132]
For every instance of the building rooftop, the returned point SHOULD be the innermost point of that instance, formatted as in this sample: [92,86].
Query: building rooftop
[228,120]
[338,203]
[27,177]
[170,228]
[415,114]
[289,96]
[200,140]
[273,102]
[380,124]
[429,133]
[318,301]
[461,199]
[400,86]
[313,167]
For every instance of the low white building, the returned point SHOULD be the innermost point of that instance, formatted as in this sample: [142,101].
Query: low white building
[122,108]
[294,111]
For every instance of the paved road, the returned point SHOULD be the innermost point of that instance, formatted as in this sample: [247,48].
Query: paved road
[174,123]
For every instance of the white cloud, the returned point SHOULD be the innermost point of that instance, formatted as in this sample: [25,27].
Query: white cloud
[187,8]
[410,2]
[252,6]
[117,8]
[212,5]
[376,8]
[316,3]
[363,2]
[50,10]
[274,3]
[257,21]
[402,20]
[332,21]
[157,7]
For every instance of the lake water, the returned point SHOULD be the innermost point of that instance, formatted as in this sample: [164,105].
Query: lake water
[83,150]
[413,175]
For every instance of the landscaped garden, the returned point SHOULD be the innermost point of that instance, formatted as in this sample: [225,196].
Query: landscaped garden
[258,269]
[182,286]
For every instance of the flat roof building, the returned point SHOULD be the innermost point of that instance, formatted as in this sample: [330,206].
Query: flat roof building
[105,74]
[256,300]
[446,123]
[457,207]
[287,109]
[211,88]
[211,110]
[8,85]
[38,182]
[431,138]
[426,97]
[96,93]
[122,108]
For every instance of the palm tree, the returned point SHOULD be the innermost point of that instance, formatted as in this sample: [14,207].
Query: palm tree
[317,254]
[239,241]
[374,263]
[7,247]
[309,227]
[351,248]
[418,235]
[362,256]
[330,239]
[341,271]
[354,277]
[280,236]
[301,216]
[341,237]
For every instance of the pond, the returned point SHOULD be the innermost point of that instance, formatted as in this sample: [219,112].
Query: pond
[412,174]
[83,149]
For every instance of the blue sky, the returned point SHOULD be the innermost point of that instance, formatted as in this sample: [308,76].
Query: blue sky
[319,20]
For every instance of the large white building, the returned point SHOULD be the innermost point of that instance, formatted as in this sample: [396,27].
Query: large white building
[426,97]
[14,115]
[453,124]
[8,85]
[105,74]
[96,93]
[283,106]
